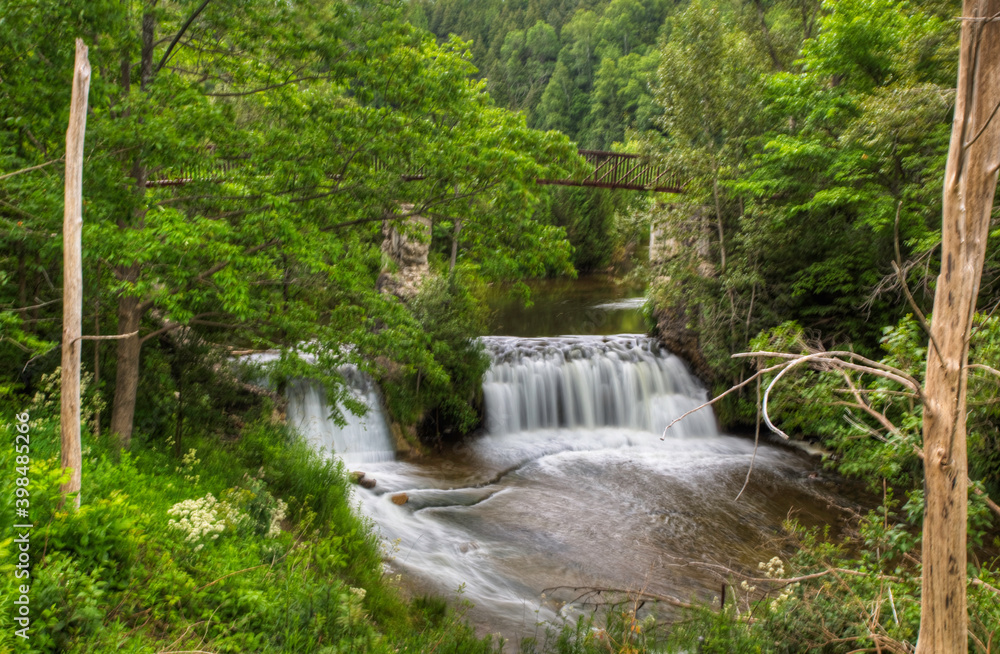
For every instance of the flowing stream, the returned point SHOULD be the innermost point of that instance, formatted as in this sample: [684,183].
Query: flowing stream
[571,484]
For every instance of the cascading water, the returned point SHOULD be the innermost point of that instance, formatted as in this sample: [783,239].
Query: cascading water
[363,439]
[587,382]
[571,485]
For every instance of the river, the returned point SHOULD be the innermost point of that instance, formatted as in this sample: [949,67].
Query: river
[572,484]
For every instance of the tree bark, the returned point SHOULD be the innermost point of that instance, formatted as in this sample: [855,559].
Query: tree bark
[130,308]
[767,35]
[127,369]
[73,276]
[970,185]
[454,245]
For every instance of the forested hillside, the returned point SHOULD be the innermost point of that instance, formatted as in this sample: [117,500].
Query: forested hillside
[814,137]
[252,170]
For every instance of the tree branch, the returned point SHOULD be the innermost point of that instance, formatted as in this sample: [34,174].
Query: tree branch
[236,94]
[28,170]
[177,37]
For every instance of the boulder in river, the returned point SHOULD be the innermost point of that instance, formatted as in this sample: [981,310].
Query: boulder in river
[400,499]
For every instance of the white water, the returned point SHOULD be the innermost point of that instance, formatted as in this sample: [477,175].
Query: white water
[572,484]
[587,382]
[364,439]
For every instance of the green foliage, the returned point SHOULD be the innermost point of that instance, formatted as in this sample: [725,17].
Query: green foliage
[875,429]
[860,592]
[114,575]
[811,175]
[441,394]
[282,251]
[622,630]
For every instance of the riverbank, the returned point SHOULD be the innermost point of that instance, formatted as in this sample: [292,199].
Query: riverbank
[249,544]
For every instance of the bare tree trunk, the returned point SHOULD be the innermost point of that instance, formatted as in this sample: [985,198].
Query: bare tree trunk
[73,275]
[970,185]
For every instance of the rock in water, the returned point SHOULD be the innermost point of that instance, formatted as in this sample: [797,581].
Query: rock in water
[400,499]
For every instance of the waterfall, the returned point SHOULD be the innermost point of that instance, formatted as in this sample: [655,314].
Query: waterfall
[364,439]
[588,382]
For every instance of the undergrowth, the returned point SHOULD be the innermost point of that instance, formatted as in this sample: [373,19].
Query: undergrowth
[248,545]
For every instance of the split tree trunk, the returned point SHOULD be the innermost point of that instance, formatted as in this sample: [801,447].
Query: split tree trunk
[73,275]
[969,188]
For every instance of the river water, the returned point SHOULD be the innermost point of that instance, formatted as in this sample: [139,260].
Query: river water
[572,484]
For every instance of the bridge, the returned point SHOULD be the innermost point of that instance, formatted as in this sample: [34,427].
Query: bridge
[621,170]
[611,170]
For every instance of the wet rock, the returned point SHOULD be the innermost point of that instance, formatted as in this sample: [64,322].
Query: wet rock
[367,482]
[673,328]
[400,499]
[355,476]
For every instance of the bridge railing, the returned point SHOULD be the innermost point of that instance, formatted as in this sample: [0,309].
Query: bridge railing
[622,170]
[613,170]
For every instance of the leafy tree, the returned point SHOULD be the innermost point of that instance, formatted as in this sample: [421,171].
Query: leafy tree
[317,112]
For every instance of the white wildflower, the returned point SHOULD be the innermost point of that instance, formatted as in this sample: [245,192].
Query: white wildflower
[276,518]
[205,517]
[773,569]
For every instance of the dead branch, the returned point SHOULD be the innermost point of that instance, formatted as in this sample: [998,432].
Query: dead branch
[983,584]
[632,594]
[28,170]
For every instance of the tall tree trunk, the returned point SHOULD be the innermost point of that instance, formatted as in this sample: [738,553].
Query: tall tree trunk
[73,276]
[768,41]
[969,188]
[131,308]
[127,369]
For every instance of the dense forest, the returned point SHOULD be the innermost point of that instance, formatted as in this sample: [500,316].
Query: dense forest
[245,163]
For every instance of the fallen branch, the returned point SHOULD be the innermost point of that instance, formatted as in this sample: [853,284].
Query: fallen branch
[983,584]
[110,337]
[632,594]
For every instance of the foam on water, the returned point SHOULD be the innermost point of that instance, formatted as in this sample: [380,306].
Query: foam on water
[572,483]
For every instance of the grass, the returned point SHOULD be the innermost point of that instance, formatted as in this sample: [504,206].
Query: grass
[116,575]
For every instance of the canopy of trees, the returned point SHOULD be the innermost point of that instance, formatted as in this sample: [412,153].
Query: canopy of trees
[316,112]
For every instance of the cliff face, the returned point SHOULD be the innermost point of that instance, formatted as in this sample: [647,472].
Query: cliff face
[407,248]
[674,331]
